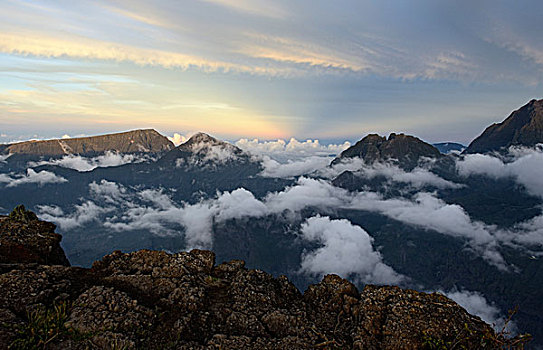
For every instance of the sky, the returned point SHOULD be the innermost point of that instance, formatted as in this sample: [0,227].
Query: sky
[327,70]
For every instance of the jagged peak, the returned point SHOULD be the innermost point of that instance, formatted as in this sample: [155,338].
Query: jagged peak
[406,149]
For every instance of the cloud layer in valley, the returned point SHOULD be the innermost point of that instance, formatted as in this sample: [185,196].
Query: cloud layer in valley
[154,210]
[522,164]
[83,164]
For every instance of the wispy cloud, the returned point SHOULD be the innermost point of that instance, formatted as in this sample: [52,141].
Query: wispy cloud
[254,7]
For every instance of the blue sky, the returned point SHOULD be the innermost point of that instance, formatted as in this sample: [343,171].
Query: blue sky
[332,70]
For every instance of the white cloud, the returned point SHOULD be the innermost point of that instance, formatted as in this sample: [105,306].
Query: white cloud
[423,210]
[429,212]
[476,304]
[417,178]
[84,164]
[207,154]
[307,193]
[178,139]
[526,167]
[346,250]
[32,177]
[237,204]
[283,151]
[154,210]
[481,164]
[320,166]
[305,166]
[84,213]
[107,191]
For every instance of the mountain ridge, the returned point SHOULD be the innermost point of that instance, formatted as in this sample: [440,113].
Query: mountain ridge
[523,127]
[134,141]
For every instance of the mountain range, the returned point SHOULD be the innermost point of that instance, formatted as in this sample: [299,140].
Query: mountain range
[387,210]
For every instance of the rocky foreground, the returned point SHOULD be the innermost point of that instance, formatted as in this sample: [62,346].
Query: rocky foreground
[154,300]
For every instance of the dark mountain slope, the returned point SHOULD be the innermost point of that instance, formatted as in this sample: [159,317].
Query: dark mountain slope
[524,127]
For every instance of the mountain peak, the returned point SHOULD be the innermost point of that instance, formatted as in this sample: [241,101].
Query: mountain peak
[202,137]
[523,127]
[406,150]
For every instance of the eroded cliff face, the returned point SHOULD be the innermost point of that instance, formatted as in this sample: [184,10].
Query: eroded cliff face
[155,300]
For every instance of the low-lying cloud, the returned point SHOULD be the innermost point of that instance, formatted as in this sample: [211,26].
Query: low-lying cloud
[31,177]
[83,213]
[345,249]
[84,164]
[419,177]
[319,166]
[154,210]
[525,167]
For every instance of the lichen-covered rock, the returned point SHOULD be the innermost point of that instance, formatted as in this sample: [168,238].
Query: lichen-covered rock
[25,239]
[155,300]
[106,314]
[394,318]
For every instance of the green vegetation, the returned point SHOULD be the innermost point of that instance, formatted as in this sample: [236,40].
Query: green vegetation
[490,340]
[20,213]
[45,326]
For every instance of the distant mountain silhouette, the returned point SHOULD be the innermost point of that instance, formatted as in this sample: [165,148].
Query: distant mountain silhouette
[136,141]
[403,149]
[524,127]
[449,147]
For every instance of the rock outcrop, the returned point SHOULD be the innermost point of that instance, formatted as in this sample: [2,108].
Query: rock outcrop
[25,239]
[155,300]
[524,127]
[405,150]
[136,141]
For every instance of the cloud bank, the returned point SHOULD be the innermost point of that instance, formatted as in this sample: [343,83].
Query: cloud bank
[32,177]
[84,164]
[282,151]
